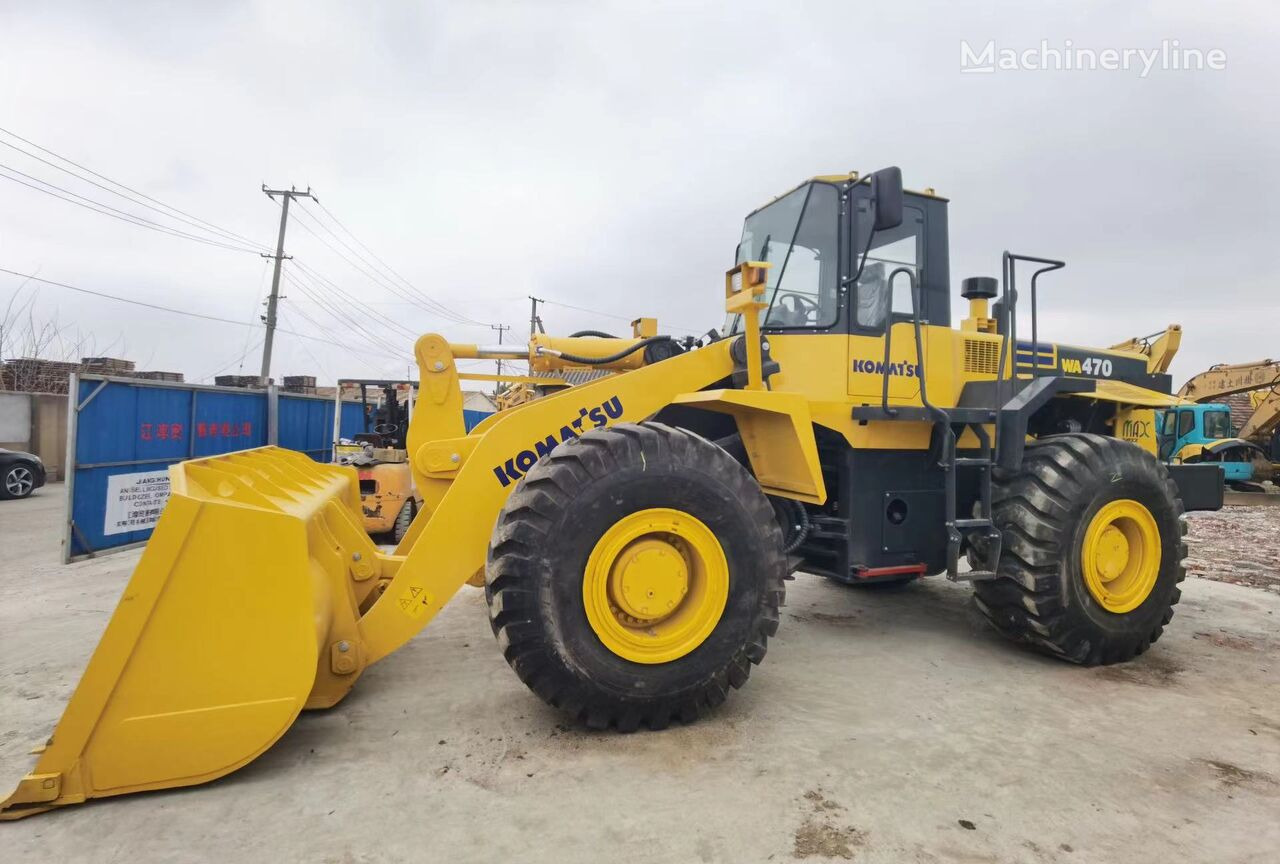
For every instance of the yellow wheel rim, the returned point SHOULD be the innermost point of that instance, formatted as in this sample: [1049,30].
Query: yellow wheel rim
[655,585]
[1121,555]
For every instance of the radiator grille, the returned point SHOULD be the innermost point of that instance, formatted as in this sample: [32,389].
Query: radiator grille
[981,356]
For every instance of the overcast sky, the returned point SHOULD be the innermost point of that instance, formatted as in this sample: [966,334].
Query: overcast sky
[603,155]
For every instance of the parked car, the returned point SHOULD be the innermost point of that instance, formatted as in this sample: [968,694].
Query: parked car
[20,473]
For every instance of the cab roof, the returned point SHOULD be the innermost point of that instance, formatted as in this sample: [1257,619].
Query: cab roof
[841,179]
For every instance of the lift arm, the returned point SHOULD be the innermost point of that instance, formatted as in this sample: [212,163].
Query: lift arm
[1158,348]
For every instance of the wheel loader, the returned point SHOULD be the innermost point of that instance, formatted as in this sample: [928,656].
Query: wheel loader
[634,533]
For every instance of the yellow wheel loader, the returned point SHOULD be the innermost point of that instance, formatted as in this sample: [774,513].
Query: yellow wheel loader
[634,532]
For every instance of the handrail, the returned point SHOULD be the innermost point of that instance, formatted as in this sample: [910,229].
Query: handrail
[935,412]
[1009,312]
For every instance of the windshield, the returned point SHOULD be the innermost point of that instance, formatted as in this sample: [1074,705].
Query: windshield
[797,235]
[1217,424]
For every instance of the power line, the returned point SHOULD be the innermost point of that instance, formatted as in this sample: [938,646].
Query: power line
[130,189]
[392,270]
[347,316]
[435,309]
[108,210]
[357,304]
[222,369]
[313,357]
[170,309]
[337,313]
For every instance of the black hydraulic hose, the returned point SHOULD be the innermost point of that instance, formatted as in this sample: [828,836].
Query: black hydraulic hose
[802,531]
[599,334]
[611,358]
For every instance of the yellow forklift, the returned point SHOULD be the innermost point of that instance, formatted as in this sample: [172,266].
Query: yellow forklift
[388,498]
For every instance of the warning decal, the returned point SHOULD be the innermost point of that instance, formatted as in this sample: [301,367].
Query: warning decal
[414,601]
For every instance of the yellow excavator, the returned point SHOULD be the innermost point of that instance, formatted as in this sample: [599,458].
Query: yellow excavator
[634,532]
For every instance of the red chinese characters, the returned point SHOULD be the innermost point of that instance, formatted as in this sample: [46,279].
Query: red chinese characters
[160,432]
[224,429]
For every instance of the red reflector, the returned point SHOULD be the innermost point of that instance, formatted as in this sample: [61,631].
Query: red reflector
[873,572]
[365,475]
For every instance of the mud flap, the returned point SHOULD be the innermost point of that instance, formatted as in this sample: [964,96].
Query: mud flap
[241,612]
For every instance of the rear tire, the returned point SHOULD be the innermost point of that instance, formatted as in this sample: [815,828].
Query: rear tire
[540,566]
[1045,510]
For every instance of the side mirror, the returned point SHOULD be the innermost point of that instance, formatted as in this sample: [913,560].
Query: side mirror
[886,191]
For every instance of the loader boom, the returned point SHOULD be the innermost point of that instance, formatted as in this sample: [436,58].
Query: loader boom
[334,605]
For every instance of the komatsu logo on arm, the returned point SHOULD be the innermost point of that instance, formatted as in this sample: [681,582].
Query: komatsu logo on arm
[590,418]
[877,367]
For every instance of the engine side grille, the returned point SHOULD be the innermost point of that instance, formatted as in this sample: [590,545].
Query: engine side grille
[981,357]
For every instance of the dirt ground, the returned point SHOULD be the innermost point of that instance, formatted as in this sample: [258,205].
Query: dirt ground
[1240,545]
[885,726]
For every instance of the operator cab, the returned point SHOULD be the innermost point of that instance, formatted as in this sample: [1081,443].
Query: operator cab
[815,235]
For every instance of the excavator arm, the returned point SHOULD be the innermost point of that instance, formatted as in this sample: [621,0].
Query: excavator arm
[1265,419]
[1228,379]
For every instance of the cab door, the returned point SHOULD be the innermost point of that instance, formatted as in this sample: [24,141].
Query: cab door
[875,305]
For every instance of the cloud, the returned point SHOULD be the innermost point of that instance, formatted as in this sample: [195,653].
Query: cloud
[604,154]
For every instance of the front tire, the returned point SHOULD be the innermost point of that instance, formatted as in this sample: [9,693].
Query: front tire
[1092,552]
[634,576]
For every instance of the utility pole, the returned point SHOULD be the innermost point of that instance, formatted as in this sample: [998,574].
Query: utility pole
[535,323]
[501,328]
[288,195]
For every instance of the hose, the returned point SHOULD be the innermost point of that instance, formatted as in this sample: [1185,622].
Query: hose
[802,529]
[599,334]
[611,358]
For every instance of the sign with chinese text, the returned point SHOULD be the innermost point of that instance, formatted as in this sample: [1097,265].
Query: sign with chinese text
[134,501]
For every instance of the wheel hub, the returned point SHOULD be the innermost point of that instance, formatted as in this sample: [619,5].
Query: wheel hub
[19,481]
[1121,555]
[1113,553]
[655,585]
[649,580]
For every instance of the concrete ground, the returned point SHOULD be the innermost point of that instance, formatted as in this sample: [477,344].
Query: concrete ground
[884,726]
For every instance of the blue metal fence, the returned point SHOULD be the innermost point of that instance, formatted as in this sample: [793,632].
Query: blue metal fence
[123,434]
[305,424]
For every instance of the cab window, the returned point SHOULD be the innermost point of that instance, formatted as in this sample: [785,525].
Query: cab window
[1217,424]
[874,298]
[1186,422]
[797,234]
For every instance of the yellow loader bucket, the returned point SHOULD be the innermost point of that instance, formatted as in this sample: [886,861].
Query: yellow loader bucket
[243,610]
